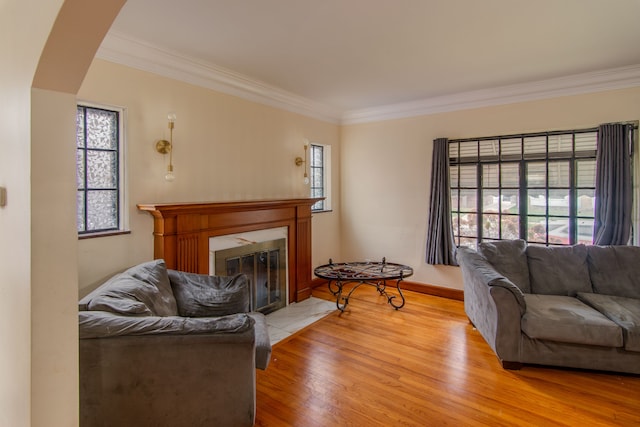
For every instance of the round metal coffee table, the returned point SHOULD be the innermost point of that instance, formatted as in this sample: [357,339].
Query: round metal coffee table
[376,274]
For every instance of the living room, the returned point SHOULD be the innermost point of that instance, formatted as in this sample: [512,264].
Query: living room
[226,148]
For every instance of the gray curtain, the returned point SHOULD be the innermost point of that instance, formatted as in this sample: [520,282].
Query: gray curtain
[612,224]
[440,246]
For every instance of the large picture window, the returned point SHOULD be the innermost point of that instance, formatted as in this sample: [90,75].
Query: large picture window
[98,170]
[538,187]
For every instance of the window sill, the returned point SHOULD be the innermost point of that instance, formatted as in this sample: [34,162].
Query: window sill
[322,211]
[102,234]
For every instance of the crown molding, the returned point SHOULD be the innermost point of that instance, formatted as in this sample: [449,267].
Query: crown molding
[611,79]
[123,50]
[143,56]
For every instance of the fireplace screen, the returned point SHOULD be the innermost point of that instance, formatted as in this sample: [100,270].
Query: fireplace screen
[264,264]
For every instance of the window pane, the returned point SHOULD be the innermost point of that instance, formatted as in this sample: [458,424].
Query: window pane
[468,225]
[469,243]
[469,149]
[316,178]
[510,148]
[80,127]
[317,192]
[316,156]
[490,226]
[102,129]
[509,202]
[453,150]
[510,174]
[586,141]
[559,174]
[586,173]
[80,211]
[510,227]
[561,143]
[453,176]
[559,231]
[102,210]
[454,201]
[585,231]
[80,169]
[489,148]
[490,175]
[559,202]
[468,201]
[455,218]
[468,176]
[490,201]
[535,144]
[537,229]
[586,203]
[537,202]
[536,174]
[102,169]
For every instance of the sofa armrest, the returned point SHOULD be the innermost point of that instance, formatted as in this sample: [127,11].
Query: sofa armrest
[493,304]
[102,324]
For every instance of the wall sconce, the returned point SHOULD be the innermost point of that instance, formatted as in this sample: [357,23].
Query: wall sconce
[303,161]
[163,147]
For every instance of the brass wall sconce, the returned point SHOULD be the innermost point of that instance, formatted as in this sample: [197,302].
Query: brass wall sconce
[166,147]
[303,161]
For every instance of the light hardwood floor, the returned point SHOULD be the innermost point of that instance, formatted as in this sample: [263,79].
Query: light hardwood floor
[424,365]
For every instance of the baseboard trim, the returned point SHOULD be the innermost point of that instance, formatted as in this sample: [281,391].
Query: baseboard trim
[423,288]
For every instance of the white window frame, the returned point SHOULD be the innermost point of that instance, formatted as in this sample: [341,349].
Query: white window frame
[123,226]
[326,173]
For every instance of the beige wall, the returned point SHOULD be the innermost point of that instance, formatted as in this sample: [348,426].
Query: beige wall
[387,173]
[24,27]
[225,148]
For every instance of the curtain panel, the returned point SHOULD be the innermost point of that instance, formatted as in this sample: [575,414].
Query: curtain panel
[613,193]
[440,245]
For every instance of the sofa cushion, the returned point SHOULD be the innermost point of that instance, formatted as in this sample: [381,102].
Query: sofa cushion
[142,290]
[558,270]
[615,270]
[566,319]
[623,311]
[199,295]
[508,257]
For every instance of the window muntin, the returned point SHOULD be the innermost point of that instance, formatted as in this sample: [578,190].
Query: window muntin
[319,171]
[98,170]
[538,187]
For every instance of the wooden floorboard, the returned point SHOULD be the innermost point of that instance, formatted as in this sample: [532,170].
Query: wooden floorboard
[424,365]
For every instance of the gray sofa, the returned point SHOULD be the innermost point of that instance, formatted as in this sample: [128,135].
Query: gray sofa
[576,306]
[165,348]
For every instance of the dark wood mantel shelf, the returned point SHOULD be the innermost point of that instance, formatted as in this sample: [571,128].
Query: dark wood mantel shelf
[182,230]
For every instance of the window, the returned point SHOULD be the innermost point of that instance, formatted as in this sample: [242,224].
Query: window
[320,172]
[99,172]
[537,187]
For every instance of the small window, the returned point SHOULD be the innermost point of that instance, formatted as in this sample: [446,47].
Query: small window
[320,171]
[99,170]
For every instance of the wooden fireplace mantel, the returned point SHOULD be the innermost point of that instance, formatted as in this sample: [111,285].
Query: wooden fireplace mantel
[182,230]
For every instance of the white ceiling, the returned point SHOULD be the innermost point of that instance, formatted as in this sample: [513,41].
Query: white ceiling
[350,59]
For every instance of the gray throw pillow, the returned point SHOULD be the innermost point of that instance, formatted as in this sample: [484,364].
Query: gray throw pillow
[199,295]
[508,257]
[559,270]
[142,290]
[615,270]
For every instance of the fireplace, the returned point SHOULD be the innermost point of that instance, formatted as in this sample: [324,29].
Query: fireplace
[182,231]
[260,255]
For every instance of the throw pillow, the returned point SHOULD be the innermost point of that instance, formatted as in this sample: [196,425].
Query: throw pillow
[199,295]
[508,257]
[560,270]
[615,270]
[142,290]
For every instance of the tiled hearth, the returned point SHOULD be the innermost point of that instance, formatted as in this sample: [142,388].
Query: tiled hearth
[296,316]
